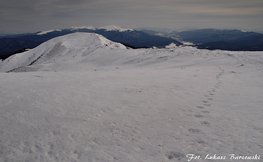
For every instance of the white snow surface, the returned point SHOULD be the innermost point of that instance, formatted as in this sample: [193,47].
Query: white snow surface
[88,99]
[48,31]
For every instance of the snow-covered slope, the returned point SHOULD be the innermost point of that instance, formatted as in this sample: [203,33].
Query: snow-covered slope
[110,103]
[65,48]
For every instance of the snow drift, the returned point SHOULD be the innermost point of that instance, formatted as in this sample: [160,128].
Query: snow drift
[90,99]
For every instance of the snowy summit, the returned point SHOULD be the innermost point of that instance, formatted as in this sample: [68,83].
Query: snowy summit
[81,97]
[83,27]
[60,49]
[46,32]
[107,28]
[115,28]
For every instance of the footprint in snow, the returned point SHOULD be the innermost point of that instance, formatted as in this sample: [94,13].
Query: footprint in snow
[175,155]
[198,116]
[192,130]
[205,111]
[201,142]
[200,107]
[204,123]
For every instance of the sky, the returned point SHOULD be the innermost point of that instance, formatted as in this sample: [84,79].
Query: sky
[20,16]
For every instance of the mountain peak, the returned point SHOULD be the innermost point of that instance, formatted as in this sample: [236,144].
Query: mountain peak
[75,28]
[69,47]
[82,27]
[47,31]
[115,28]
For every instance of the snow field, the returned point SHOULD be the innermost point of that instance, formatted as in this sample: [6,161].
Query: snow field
[132,105]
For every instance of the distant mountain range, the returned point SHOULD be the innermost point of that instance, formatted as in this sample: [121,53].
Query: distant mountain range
[233,40]
[133,38]
[212,39]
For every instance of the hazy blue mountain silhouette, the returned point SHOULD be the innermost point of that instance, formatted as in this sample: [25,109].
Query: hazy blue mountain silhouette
[212,39]
[136,39]
[234,40]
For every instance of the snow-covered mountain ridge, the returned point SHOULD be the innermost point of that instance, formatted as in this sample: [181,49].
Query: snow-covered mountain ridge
[76,49]
[107,28]
[60,49]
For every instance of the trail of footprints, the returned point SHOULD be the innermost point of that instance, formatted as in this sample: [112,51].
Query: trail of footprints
[202,107]
[204,104]
[207,102]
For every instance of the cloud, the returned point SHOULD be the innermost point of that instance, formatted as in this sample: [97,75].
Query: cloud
[47,14]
